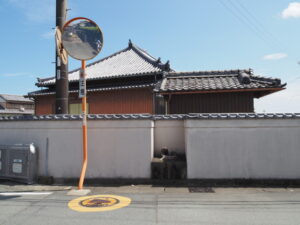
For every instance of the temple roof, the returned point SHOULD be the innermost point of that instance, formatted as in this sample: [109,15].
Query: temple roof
[202,81]
[131,61]
[136,65]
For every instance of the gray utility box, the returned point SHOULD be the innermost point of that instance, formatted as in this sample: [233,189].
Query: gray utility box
[18,162]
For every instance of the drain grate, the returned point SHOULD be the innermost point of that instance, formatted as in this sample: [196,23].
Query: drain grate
[201,190]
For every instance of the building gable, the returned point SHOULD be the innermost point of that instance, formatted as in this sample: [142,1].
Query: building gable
[129,62]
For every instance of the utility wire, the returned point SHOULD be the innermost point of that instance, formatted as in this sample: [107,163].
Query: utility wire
[256,23]
[243,15]
[277,41]
[248,24]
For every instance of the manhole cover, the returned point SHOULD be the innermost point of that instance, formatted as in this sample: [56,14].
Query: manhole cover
[98,203]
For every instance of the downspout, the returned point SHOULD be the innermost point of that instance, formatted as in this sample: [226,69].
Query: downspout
[153,102]
[154,97]
[167,104]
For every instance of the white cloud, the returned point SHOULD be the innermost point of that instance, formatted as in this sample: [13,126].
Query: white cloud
[286,101]
[293,10]
[275,56]
[36,10]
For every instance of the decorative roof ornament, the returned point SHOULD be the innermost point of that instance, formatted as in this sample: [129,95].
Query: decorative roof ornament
[129,43]
[167,66]
[251,71]
[244,77]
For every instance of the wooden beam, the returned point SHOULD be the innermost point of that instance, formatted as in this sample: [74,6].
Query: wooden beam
[271,90]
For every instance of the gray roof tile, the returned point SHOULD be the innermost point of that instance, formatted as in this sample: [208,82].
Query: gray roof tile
[134,61]
[131,61]
[15,98]
[216,80]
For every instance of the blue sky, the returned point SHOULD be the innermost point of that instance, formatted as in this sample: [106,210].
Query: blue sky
[192,34]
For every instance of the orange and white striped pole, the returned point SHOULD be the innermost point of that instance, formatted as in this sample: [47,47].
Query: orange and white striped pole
[90,51]
[82,93]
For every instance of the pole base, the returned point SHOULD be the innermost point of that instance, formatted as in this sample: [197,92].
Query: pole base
[76,192]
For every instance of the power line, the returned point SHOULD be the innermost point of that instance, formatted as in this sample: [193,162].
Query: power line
[263,29]
[240,19]
[244,16]
[235,11]
[281,45]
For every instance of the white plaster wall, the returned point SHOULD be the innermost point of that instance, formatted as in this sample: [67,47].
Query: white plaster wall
[170,134]
[262,148]
[121,148]
[268,148]
[117,148]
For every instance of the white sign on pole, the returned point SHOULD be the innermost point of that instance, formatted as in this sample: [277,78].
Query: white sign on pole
[58,61]
[82,87]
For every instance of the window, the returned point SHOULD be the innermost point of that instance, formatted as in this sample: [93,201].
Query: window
[76,108]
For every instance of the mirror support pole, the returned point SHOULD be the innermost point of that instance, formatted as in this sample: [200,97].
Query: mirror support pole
[84,128]
[62,82]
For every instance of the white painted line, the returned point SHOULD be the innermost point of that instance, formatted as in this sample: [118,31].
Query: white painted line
[24,193]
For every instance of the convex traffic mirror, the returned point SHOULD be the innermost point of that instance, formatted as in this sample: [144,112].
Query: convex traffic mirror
[82,38]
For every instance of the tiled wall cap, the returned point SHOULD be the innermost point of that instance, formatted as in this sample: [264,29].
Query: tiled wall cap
[154,117]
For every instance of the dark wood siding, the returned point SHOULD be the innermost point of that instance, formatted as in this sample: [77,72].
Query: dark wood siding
[121,101]
[211,103]
[104,102]
[44,104]
[141,101]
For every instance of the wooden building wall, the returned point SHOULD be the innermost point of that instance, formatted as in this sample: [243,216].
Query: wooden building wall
[17,105]
[212,103]
[141,101]
[104,102]
[121,101]
[44,104]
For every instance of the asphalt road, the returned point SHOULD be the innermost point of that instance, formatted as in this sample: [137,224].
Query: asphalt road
[241,206]
[80,49]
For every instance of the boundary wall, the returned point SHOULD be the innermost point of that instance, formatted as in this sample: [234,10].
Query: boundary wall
[217,146]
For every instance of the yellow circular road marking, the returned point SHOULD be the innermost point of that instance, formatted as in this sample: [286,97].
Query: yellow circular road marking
[98,203]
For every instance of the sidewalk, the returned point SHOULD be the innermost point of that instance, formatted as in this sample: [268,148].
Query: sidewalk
[41,204]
